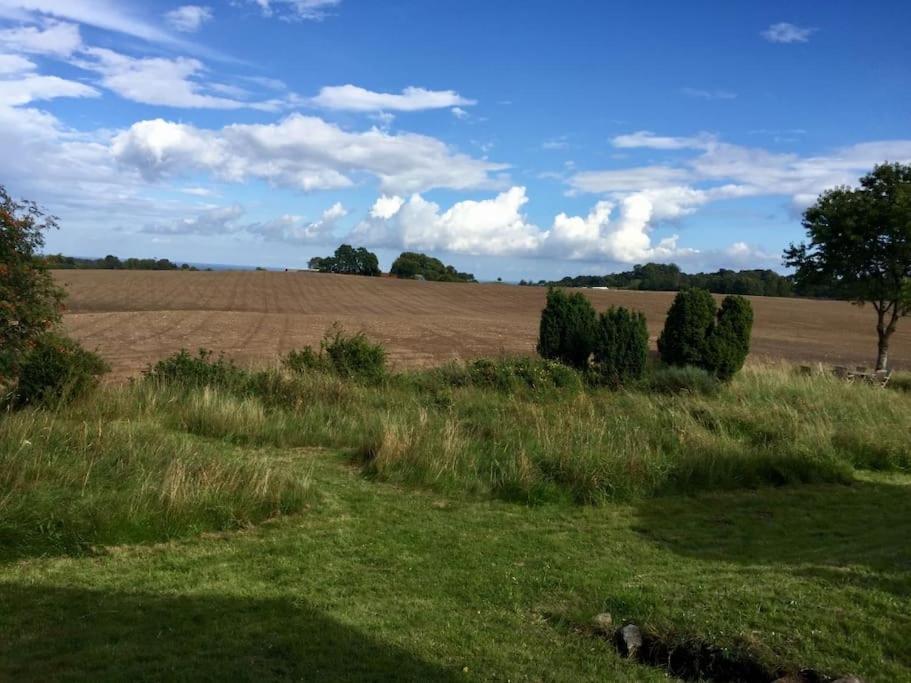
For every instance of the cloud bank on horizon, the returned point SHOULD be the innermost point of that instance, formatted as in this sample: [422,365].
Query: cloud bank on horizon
[148,130]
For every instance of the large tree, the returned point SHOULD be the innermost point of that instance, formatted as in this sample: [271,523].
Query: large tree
[30,302]
[860,246]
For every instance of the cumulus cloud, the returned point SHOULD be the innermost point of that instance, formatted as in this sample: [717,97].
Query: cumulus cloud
[353,98]
[188,18]
[784,32]
[302,152]
[498,227]
[297,230]
[55,38]
[21,91]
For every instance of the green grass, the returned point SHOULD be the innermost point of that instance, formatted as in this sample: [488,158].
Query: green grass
[160,532]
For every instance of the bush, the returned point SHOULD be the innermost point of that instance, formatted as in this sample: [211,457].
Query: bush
[729,343]
[684,339]
[199,370]
[567,330]
[30,301]
[621,346]
[347,355]
[57,370]
[511,374]
[681,380]
[695,335]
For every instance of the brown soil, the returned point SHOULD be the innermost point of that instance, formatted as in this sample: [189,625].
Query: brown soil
[134,318]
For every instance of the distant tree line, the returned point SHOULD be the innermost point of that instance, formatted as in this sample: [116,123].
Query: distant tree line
[109,262]
[410,265]
[669,277]
[347,261]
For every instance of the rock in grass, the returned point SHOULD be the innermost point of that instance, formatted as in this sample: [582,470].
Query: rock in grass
[603,623]
[848,679]
[629,640]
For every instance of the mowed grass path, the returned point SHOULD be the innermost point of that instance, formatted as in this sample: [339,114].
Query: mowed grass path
[376,582]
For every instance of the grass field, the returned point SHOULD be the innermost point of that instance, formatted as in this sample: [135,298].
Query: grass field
[154,531]
[439,525]
[135,317]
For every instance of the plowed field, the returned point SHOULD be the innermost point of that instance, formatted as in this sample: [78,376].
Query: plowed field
[136,317]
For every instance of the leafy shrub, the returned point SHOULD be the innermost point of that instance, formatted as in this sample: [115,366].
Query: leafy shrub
[681,380]
[347,355]
[301,360]
[621,346]
[57,370]
[201,370]
[30,302]
[684,339]
[511,374]
[567,330]
[729,342]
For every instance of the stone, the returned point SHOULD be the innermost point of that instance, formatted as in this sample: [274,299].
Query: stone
[603,623]
[629,640]
[848,679]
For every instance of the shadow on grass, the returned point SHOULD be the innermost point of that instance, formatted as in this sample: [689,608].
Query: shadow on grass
[51,633]
[855,534]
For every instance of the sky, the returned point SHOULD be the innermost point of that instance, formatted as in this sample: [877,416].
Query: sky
[516,139]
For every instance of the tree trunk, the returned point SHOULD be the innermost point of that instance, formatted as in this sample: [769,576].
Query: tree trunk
[882,356]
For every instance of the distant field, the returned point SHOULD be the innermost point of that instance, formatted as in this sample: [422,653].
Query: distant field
[135,317]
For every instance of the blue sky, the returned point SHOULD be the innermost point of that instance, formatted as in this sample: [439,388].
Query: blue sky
[513,139]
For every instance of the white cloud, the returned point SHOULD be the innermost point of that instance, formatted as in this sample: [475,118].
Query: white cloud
[648,140]
[313,10]
[218,220]
[164,82]
[353,98]
[386,207]
[459,113]
[302,152]
[189,18]
[784,32]
[627,179]
[709,94]
[55,38]
[32,87]
[107,14]
[497,227]
[14,64]
[296,230]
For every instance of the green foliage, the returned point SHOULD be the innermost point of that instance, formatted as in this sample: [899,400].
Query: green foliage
[346,355]
[202,370]
[57,370]
[729,342]
[514,374]
[667,277]
[30,302]
[686,379]
[410,264]
[860,246]
[695,335]
[353,355]
[110,262]
[621,346]
[348,261]
[684,339]
[568,328]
